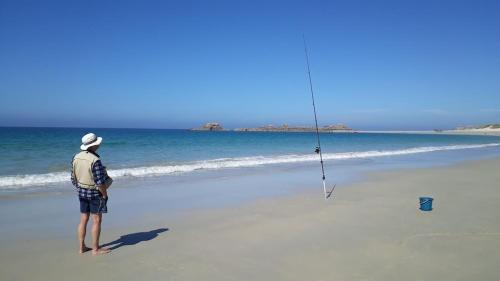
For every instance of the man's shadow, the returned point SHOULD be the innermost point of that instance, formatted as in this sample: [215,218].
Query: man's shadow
[134,238]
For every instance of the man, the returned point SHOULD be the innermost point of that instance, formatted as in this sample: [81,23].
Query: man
[90,178]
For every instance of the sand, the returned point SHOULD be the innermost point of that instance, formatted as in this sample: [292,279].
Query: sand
[372,230]
[483,131]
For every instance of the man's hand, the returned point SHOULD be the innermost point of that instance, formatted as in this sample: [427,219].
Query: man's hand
[103,190]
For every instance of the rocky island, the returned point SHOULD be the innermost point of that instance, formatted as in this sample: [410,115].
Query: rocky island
[211,126]
[287,128]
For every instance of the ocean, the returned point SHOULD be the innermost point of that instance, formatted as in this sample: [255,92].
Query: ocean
[41,156]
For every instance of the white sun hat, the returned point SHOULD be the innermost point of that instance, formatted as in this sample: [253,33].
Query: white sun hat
[89,140]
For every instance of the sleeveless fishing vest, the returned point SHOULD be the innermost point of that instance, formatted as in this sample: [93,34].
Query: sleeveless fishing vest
[82,169]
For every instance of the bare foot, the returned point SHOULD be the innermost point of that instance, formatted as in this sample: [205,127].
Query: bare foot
[84,249]
[100,251]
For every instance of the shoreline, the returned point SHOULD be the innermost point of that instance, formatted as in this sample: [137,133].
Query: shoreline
[472,132]
[372,229]
[11,184]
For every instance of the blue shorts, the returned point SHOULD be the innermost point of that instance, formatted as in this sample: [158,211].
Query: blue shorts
[94,206]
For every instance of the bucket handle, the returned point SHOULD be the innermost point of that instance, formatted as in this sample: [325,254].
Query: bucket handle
[425,201]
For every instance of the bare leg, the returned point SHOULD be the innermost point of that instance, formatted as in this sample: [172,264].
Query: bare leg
[82,229]
[96,233]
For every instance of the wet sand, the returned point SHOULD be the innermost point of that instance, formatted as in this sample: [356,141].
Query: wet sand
[371,230]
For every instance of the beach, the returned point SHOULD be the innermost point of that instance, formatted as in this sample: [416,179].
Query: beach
[371,230]
[242,141]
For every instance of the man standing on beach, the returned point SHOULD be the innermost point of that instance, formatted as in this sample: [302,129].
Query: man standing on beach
[91,180]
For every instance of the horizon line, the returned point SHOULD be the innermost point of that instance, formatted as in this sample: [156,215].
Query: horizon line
[225,129]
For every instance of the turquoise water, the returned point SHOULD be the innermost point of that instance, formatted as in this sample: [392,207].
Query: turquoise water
[35,156]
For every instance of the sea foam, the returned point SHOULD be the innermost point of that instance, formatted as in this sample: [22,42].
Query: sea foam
[17,181]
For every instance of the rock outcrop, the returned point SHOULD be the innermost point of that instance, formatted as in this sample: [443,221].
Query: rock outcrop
[287,128]
[211,126]
[487,126]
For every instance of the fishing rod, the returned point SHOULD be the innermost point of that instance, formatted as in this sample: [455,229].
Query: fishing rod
[318,148]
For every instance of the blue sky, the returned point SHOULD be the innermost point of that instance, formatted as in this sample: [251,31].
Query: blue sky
[160,64]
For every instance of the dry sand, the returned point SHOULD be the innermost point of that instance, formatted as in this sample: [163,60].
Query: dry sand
[483,131]
[372,230]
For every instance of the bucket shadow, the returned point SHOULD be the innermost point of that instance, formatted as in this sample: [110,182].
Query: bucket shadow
[134,238]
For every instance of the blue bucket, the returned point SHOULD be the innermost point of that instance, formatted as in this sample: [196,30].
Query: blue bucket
[426,203]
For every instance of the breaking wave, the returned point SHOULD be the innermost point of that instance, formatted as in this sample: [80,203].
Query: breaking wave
[16,181]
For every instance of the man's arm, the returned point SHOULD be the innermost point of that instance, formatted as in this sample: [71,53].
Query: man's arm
[99,173]
[103,190]
[73,179]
